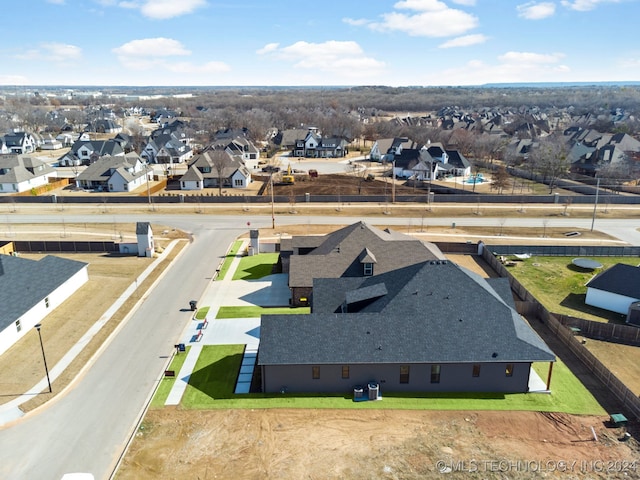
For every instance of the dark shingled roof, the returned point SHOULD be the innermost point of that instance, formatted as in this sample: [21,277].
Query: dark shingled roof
[24,283]
[620,279]
[142,228]
[338,254]
[434,312]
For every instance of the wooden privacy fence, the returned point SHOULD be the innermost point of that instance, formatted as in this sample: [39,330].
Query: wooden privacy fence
[529,305]
[609,332]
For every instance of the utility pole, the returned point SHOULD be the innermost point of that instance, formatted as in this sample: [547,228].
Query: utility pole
[393,182]
[595,205]
[273,217]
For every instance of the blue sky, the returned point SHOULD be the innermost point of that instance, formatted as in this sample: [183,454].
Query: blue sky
[330,42]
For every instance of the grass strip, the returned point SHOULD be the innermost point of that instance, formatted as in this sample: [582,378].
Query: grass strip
[166,384]
[201,314]
[228,259]
[253,311]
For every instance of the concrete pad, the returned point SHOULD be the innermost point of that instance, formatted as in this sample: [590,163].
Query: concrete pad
[536,384]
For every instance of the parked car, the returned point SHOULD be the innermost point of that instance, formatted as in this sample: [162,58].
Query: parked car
[270,169]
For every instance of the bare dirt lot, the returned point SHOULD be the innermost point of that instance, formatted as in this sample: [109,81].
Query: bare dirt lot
[328,444]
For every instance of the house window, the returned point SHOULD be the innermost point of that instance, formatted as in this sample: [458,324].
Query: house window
[46,302]
[476,370]
[404,373]
[315,373]
[509,370]
[368,269]
[18,325]
[435,373]
[345,371]
[237,182]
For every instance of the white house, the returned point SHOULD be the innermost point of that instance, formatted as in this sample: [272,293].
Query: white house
[615,289]
[20,173]
[115,174]
[30,290]
[206,171]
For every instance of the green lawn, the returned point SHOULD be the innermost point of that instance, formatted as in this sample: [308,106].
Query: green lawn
[255,266]
[228,259]
[201,314]
[213,381]
[560,286]
[255,311]
[166,384]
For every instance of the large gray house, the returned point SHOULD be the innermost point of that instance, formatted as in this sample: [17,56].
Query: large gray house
[357,250]
[429,327]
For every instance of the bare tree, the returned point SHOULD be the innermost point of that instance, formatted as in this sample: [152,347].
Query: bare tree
[500,179]
[551,159]
[219,161]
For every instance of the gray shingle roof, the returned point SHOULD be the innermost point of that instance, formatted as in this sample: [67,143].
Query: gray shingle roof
[20,168]
[24,283]
[435,312]
[339,253]
[620,279]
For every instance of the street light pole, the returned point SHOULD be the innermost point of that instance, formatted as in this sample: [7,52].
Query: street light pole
[595,205]
[44,358]
[273,216]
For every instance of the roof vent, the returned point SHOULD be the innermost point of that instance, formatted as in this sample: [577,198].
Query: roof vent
[494,355]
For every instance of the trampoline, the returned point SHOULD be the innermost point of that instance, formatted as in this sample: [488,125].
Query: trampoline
[586,263]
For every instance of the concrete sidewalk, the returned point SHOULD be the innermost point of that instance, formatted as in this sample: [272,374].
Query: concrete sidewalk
[269,291]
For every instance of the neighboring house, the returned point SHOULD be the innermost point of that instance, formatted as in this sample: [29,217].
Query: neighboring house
[450,162]
[30,290]
[145,239]
[50,143]
[358,250]
[614,289]
[239,147]
[115,174]
[20,173]
[415,163]
[205,172]
[166,149]
[20,142]
[84,152]
[314,145]
[103,125]
[429,327]
[384,149]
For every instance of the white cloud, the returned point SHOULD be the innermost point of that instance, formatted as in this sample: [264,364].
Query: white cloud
[152,47]
[585,5]
[56,2]
[529,58]
[152,54]
[464,41]
[430,18]
[344,58]
[536,11]
[53,52]
[13,80]
[512,67]
[468,3]
[157,9]
[61,52]
[355,22]
[269,47]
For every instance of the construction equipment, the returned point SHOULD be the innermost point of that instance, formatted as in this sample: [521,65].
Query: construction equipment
[288,178]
